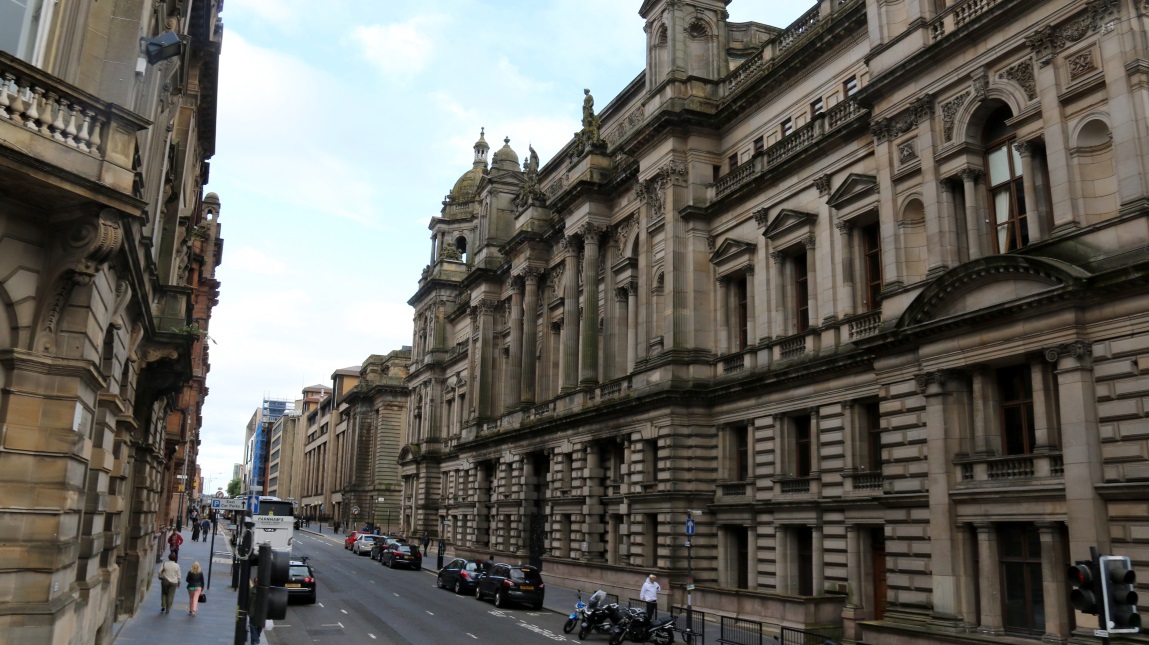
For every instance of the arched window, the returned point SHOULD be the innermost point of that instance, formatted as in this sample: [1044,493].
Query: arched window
[461,244]
[1004,183]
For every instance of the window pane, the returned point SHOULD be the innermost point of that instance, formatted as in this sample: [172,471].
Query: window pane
[1016,161]
[1014,430]
[1036,597]
[1001,216]
[1016,610]
[997,163]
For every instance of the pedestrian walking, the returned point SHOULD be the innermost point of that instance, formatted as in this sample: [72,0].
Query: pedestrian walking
[174,542]
[195,530]
[490,564]
[649,595]
[214,522]
[169,580]
[205,526]
[426,542]
[195,587]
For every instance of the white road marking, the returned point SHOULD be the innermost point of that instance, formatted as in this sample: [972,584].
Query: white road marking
[429,613]
[472,636]
[343,610]
[372,636]
[396,595]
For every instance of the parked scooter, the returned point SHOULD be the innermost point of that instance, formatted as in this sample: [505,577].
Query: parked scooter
[577,615]
[599,615]
[633,626]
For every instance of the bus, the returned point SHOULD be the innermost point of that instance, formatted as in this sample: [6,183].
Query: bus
[274,524]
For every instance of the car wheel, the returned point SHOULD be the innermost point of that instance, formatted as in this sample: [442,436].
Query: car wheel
[439,583]
[458,588]
[569,626]
[478,593]
[499,602]
[537,606]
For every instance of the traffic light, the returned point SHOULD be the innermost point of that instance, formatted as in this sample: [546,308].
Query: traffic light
[1083,576]
[1117,579]
[270,600]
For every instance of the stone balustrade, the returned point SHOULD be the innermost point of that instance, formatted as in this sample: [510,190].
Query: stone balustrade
[49,119]
[957,15]
[1010,468]
[864,325]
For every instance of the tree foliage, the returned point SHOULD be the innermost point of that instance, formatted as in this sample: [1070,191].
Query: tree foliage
[233,487]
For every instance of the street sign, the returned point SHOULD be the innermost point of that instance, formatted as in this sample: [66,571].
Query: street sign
[354,510]
[380,500]
[689,526]
[229,504]
[253,504]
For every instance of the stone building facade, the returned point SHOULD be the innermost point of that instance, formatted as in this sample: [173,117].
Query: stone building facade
[867,294]
[107,255]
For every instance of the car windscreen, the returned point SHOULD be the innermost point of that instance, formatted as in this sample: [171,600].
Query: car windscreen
[525,575]
[402,548]
[367,538]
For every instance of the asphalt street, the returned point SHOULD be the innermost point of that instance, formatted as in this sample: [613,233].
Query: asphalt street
[361,601]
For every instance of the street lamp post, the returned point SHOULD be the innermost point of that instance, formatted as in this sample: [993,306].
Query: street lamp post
[690,571]
[442,542]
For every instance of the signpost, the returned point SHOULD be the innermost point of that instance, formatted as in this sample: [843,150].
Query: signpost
[228,504]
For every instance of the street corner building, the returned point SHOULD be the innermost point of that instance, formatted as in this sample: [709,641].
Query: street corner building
[108,251]
[868,294]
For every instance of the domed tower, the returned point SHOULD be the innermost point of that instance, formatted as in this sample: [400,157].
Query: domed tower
[467,185]
[505,158]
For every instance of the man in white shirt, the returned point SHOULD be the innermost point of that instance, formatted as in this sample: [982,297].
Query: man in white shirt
[649,595]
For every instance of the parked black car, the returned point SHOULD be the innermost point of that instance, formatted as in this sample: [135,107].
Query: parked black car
[460,575]
[382,543]
[507,584]
[405,555]
[301,581]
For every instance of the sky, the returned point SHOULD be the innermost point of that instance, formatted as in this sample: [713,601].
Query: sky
[338,133]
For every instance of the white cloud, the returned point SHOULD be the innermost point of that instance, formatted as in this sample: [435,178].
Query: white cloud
[253,260]
[398,49]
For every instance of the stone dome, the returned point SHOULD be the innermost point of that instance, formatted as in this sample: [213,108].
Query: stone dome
[464,189]
[505,158]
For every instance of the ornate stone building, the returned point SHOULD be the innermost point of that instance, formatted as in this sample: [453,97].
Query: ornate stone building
[107,256]
[867,293]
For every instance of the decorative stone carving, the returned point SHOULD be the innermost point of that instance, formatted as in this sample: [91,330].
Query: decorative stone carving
[555,282]
[918,111]
[1080,64]
[822,184]
[949,114]
[761,216]
[1098,16]
[844,226]
[1022,74]
[589,137]
[710,240]
[697,29]
[970,174]
[623,233]
[450,252]
[776,256]
[1079,349]
[907,151]
[514,285]
[980,80]
[808,242]
[748,269]
[530,192]
[653,191]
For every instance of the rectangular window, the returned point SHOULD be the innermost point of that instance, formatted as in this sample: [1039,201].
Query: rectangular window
[732,161]
[716,172]
[759,146]
[1006,196]
[817,107]
[803,447]
[787,127]
[872,261]
[1015,396]
[872,418]
[850,86]
[650,460]
[801,294]
[740,562]
[740,454]
[22,23]
[1022,599]
[650,540]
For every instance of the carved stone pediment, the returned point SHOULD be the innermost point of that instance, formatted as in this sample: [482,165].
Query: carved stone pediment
[991,284]
[788,220]
[854,187]
[731,250]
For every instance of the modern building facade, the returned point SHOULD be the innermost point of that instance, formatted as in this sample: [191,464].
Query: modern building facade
[866,295]
[107,255]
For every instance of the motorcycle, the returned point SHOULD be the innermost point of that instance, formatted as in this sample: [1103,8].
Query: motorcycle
[633,626]
[598,616]
[577,615]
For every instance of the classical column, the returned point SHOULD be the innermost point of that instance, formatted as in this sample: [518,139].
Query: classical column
[1033,216]
[990,576]
[588,372]
[973,224]
[515,358]
[570,317]
[530,334]
[1086,513]
[855,580]
[943,416]
[812,279]
[1053,561]
[819,557]
[486,312]
[751,327]
[948,253]
[621,333]
[849,300]
[631,325]
[723,314]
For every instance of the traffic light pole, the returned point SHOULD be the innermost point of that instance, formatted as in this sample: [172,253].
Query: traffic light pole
[243,598]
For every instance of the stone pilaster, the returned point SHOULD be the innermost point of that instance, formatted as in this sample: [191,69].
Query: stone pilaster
[570,317]
[588,366]
[515,359]
[530,334]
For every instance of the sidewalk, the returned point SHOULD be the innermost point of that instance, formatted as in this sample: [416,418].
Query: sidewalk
[214,622]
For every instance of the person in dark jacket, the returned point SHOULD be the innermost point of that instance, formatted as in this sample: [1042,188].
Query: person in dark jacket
[195,587]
